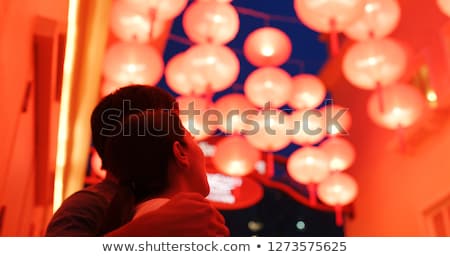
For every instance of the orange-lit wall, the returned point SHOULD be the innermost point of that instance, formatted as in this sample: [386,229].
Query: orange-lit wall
[17,167]
[396,187]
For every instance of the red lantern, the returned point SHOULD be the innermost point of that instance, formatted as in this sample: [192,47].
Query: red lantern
[234,156]
[380,18]
[309,166]
[211,67]
[161,9]
[131,25]
[338,190]
[444,6]
[270,132]
[403,105]
[268,85]
[338,119]
[133,63]
[329,16]
[177,77]
[267,46]
[96,165]
[233,108]
[374,63]
[193,116]
[341,153]
[308,127]
[211,22]
[308,91]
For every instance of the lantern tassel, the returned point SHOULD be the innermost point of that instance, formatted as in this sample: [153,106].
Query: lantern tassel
[334,38]
[339,215]
[379,90]
[270,162]
[312,194]
[152,16]
[401,137]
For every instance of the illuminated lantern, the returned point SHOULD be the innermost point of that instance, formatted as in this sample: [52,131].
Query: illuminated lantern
[338,190]
[161,9]
[403,105]
[211,67]
[177,77]
[308,166]
[130,25]
[133,63]
[193,116]
[233,108]
[308,126]
[109,87]
[341,153]
[308,91]
[267,47]
[234,156]
[444,6]
[211,22]
[329,16]
[96,165]
[268,85]
[374,63]
[380,18]
[337,118]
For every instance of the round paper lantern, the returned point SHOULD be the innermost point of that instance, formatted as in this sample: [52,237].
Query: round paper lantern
[309,166]
[337,118]
[328,15]
[403,105]
[133,63]
[162,9]
[267,130]
[444,6]
[177,77]
[211,67]
[234,156]
[267,46]
[268,85]
[96,165]
[193,116]
[373,63]
[338,190]
[308,127]
[341,153]
[211,22]
[308,91]
[131,25]
[380,18]
[233,108]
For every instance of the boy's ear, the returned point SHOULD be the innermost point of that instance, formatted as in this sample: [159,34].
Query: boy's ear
[180,154]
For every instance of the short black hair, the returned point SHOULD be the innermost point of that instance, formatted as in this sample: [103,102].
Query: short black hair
[139,97]
[140,155]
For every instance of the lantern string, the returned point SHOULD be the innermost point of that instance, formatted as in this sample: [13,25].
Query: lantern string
[265,16]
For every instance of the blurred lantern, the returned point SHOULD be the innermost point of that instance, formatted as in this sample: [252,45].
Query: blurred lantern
[308,166]
[403,105]
[338,190]
[133,63]
[233,108]
[308,126]
[193,112]
[177,77]
[160,9]
[96,165]
[269,133]
[109,87]
[268,85]
[132,25]
[329,16]
[308,91]
[374,63]
[380,18]
[211,22]
[444,6]
[211,68]
[341,153]
[337,118]
[234,156]
[267,46]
